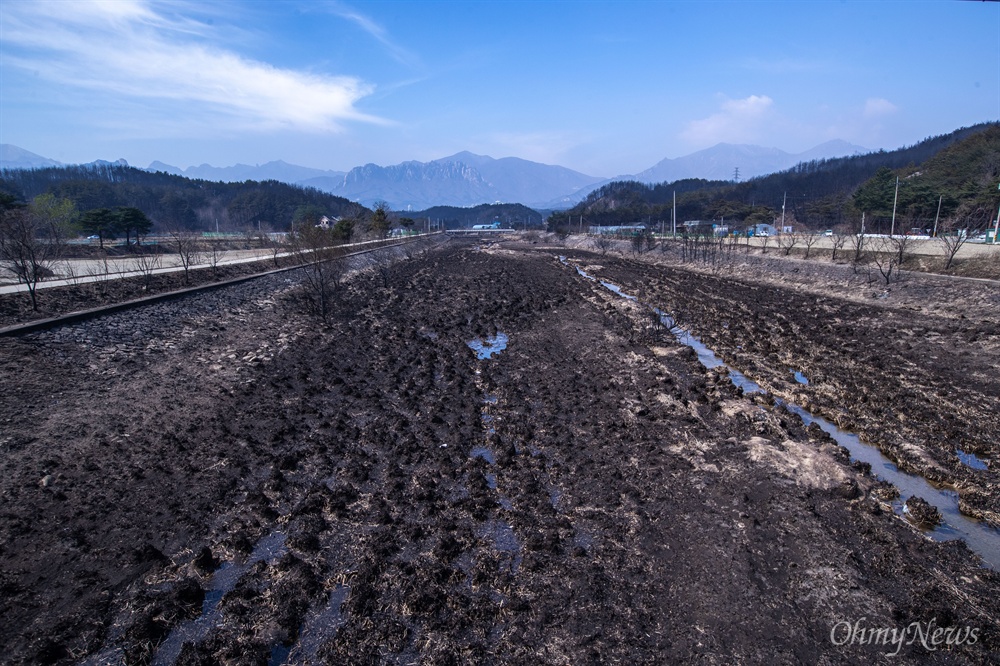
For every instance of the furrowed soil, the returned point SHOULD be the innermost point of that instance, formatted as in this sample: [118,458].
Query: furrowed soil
[913,366]
[222,479]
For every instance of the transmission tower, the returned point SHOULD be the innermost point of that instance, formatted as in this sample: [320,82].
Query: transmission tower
[736,174]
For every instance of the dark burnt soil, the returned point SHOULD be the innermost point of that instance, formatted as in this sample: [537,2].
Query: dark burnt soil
[55,301]
[914,371]
[370,492]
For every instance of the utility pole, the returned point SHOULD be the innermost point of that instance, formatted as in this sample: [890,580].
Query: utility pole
[996,227]
[675,215]
[895,198]
[783,199]
[934,235]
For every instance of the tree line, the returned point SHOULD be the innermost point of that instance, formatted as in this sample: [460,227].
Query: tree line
[176,202]
[958,172]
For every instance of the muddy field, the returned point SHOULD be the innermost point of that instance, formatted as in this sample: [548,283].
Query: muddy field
[912,366]
[242,484]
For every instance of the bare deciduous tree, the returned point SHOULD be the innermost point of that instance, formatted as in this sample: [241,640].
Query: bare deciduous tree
[650,242]
[603,243]
[886,259]
[638,243]
[99,273]
[787,241]
[31,241]
[215,255]
[858,242]
[957,231]
[322,272]
[837,242]
[146,261]
[901,244]
[809,240]
[188,249]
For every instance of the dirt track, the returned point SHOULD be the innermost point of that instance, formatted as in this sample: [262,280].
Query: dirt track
[378,494]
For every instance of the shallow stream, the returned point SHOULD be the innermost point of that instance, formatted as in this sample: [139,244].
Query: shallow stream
[980,537]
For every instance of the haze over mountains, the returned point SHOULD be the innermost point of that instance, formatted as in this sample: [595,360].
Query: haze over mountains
[721,161]
[467,179]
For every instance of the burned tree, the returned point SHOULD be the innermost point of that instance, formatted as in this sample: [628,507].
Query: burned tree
[787,241]
[886,257]
[316,249]
[957,231]
[837,242]
[188,248]
[809,240]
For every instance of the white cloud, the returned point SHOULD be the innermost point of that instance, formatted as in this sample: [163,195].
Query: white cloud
[877,107]
[131,50]
[374,30]
[739,120]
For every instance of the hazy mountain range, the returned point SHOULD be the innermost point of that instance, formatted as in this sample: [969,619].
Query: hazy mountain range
[12,157]
[467,179]
[721,161]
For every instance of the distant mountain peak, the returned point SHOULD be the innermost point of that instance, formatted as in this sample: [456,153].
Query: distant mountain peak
[13,157]
[721,161]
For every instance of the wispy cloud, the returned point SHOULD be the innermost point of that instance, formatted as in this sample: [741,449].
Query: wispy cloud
[376,31]
[739,120]
[136,50]
[876,107]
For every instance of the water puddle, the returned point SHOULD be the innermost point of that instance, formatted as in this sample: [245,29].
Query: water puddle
[279,655]
[486,348]
[268,549]
[618,290]
[980,537]
[971,460]
[318,628]
[583,539]
[484,453]
[504,541]
[706,356]
[554,496]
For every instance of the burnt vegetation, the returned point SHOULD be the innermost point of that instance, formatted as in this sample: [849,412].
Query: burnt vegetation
[369,491]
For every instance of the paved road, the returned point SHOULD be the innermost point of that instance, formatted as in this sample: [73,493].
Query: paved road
[83,271]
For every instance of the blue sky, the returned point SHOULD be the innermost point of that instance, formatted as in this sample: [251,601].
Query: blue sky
[605,88]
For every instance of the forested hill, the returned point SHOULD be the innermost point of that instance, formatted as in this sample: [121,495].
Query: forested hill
[819,194]
[514,216]
[176,202]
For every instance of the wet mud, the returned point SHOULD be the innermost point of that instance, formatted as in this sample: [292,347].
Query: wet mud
[916,377]
[252,487]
